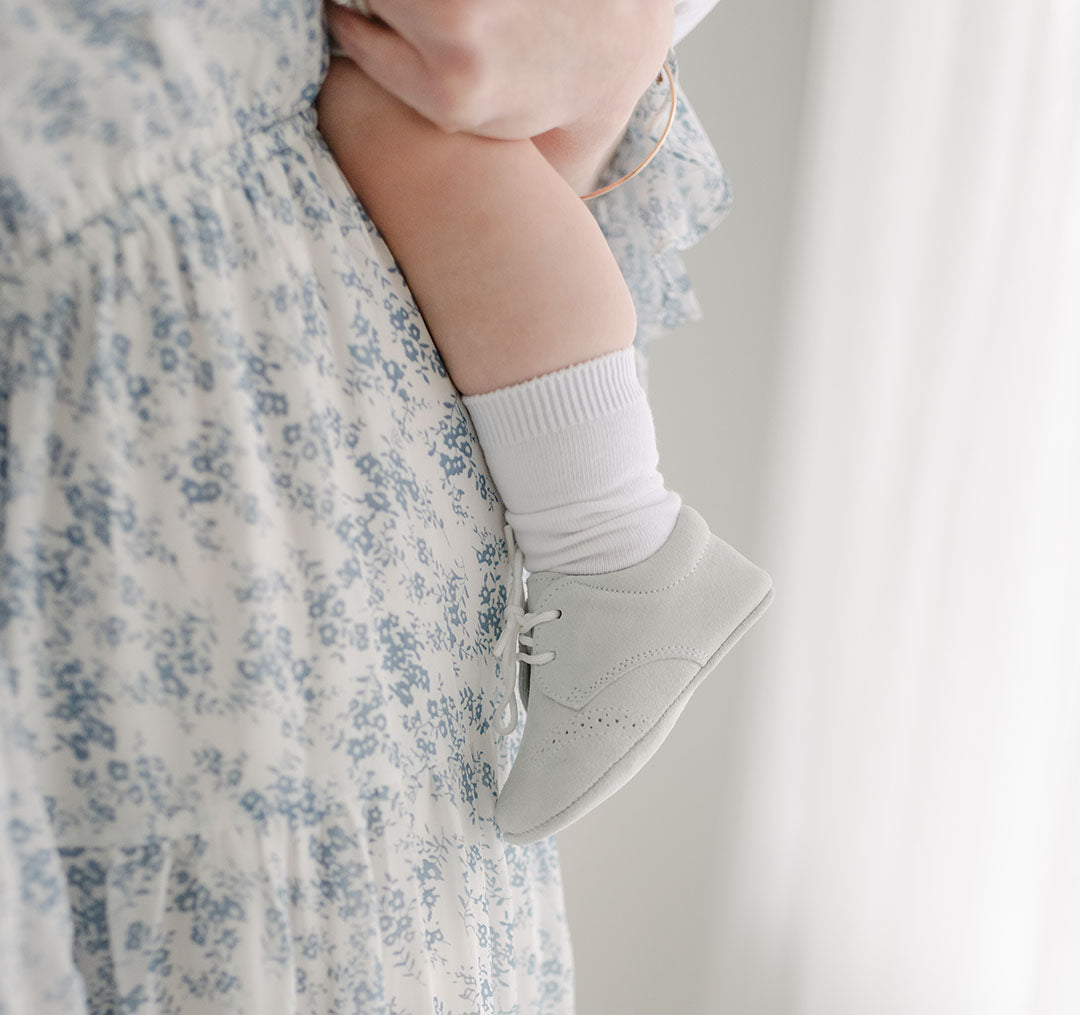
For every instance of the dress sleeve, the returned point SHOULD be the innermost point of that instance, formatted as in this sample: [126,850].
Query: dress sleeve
[688,13]
[678,198]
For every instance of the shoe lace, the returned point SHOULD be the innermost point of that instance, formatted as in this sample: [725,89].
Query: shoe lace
[516,624]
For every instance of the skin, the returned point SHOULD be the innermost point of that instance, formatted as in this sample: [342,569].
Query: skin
[565,73]
[509,268]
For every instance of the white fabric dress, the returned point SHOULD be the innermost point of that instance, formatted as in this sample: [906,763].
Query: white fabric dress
[251,563]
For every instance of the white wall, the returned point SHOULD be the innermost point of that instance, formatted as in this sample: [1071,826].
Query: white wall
[641,871]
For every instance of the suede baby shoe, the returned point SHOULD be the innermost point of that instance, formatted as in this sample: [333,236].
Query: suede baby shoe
[608,663]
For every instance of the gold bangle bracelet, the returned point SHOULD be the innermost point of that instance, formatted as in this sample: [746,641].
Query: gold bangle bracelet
[656,147]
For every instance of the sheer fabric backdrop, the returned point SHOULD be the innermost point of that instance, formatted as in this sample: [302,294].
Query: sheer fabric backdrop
[886,792]
[910,839]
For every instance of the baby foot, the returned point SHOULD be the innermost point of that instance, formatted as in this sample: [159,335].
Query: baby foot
[613,661]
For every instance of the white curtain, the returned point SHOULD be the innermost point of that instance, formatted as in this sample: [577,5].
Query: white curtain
[908,837]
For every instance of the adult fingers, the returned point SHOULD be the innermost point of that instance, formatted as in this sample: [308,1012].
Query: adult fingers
[394,63]
[438,23]
[409,18]
[382,53]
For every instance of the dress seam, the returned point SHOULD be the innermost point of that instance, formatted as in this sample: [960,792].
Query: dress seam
[195,160]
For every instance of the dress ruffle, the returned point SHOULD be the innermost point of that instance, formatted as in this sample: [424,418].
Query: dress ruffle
[679,197]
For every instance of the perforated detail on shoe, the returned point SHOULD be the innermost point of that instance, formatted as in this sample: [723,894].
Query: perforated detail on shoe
[594,722]
[578,696]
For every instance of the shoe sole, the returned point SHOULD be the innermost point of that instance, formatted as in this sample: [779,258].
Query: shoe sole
[620,773]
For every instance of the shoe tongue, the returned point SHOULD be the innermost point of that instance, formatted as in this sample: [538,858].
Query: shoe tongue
[537,584]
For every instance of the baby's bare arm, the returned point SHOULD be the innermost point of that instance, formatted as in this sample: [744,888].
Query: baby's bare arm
[511,272]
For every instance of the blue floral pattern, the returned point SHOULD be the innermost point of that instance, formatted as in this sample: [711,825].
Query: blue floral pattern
[681,196]
[251,563]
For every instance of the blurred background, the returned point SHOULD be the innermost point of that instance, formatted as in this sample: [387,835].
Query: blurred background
[873,805]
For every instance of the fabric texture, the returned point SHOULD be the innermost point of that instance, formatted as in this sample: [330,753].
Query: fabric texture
[251,563]
[573,455]
[683,194]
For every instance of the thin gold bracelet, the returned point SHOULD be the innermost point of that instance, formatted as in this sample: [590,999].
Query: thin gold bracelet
[656,147]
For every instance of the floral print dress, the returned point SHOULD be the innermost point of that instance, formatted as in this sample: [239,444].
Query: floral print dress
[251,560]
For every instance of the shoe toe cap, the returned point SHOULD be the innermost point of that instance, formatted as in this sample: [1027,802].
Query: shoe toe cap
[557,763]
[572,760]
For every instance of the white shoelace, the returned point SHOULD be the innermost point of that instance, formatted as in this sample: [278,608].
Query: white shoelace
[516,622]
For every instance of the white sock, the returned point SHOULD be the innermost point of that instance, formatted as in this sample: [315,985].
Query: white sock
[573,455]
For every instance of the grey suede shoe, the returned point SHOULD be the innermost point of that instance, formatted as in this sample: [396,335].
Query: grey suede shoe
[613,658]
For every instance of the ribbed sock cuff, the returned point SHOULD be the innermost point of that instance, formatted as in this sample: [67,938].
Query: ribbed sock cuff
[556,401]
[573,456]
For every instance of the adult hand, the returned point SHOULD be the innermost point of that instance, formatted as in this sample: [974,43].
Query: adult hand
[567,73]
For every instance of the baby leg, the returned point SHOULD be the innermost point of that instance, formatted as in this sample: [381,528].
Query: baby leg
[532,317]
[509,269]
